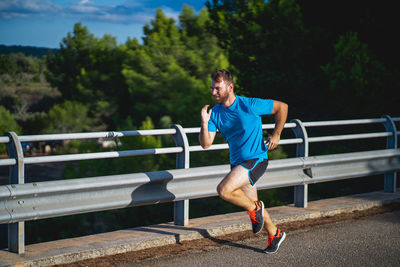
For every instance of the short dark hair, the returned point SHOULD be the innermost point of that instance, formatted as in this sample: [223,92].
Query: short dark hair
[225,75]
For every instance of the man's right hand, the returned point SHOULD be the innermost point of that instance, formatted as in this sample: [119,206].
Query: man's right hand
[206,138]
[205,114]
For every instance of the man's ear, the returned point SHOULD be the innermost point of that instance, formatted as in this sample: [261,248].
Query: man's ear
[231,86]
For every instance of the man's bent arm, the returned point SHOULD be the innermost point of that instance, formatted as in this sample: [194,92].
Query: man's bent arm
[280,110]
[206,138]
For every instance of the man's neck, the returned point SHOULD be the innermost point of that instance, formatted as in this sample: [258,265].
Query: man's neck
[229,101]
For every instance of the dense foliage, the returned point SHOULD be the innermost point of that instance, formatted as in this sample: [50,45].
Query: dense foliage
[291,50]
[329,60]
[122,85]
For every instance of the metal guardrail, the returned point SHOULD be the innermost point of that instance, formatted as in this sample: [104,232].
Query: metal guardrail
[20,202]
[59,198]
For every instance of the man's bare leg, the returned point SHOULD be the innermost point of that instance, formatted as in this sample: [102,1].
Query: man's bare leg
[236,189]
[251,193]
[230,190]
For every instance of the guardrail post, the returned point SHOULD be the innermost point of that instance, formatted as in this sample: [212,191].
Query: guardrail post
[181,208]
[16,231]
[390,178]
[301,191]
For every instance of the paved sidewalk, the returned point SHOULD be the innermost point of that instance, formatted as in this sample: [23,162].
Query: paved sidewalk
[75,249]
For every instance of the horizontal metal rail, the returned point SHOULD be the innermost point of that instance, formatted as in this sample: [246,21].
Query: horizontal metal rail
[212,147]
[53,137]
[96,155]
[343,122]
[7,162]
[22,202]
[4,139]
[103,155]
[348,137]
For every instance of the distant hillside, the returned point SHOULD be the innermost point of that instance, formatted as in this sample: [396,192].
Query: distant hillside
[26,50]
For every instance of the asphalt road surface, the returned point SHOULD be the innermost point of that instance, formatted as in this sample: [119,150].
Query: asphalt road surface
[367,241]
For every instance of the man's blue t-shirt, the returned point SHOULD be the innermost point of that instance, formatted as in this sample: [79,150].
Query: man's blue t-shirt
[241,126]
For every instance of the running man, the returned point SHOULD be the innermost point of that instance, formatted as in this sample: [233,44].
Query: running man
[238,119]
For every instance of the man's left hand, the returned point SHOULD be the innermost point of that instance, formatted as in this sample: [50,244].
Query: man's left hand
[273,142]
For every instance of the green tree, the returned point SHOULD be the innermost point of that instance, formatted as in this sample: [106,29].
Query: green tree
[171,69]
[23,88]
[7,124]
[68,117]
[267,46]
[7,65]
[355,74]
[88,69]
[277,49]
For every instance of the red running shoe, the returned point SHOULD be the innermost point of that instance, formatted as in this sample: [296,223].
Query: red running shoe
[257,217]
[274,241]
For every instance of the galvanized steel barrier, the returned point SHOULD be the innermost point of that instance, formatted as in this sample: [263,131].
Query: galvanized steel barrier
[21,202]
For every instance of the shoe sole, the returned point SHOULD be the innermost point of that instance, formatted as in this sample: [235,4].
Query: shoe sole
[277,246]
[262,214]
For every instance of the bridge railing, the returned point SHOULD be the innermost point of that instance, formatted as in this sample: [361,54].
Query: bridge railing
[20,201]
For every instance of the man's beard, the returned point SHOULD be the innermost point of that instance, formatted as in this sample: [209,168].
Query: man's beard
[221,99]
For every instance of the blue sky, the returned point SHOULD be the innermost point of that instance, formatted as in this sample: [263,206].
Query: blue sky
[44,23]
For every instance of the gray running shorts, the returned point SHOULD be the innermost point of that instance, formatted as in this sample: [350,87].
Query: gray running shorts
[256,168]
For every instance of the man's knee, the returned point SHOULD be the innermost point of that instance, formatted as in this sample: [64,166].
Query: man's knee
[223,191]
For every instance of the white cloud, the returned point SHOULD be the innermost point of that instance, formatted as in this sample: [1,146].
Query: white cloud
[84,7]
[26,8]
[129,12]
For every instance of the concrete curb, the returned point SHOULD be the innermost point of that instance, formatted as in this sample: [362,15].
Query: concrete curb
[135,239]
